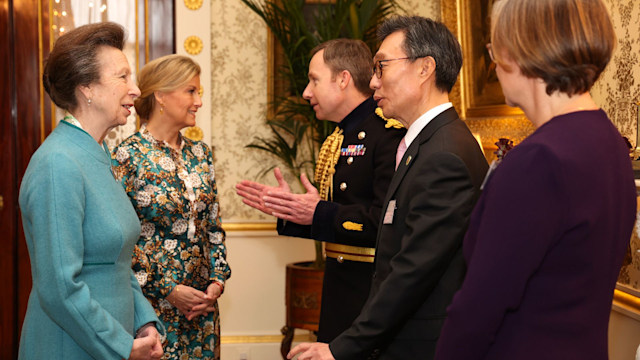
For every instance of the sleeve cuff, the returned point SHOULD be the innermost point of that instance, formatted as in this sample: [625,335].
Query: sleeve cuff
[323,225]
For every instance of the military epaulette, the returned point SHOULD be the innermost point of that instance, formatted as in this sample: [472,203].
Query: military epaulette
[390,122]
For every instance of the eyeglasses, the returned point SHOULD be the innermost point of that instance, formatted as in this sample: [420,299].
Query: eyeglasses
[490,50]
[377,66]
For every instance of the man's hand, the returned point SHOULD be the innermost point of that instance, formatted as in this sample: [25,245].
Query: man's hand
[311,351]
[252,193]
[297,208]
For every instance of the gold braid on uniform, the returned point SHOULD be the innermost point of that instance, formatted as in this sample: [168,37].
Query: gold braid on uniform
[390,122]
[326,164]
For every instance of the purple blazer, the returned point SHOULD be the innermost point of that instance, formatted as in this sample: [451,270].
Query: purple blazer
[544,247]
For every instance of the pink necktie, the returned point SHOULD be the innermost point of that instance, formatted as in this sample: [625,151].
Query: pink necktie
[402,148]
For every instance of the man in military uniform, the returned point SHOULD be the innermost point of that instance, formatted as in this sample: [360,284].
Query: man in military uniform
[358,159]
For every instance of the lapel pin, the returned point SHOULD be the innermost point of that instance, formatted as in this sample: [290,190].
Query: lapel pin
[408,160]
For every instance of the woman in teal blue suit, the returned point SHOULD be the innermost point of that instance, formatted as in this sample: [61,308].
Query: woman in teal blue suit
[80,227]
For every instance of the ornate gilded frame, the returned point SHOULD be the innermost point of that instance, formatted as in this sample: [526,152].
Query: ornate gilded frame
[487,116]
[480,94]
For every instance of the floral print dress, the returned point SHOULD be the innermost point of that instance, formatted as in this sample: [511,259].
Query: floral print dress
[182,241]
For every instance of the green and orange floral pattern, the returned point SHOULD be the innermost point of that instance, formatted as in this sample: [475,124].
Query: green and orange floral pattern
[182,241]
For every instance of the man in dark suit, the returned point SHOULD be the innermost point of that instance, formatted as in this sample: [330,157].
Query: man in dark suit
[419,263]
[358,158]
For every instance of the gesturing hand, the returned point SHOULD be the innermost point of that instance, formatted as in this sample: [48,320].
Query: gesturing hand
[297,208]
[252,193]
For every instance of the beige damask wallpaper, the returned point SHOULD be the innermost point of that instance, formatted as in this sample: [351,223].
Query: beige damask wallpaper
[239,98]
[239,88]
[618,92]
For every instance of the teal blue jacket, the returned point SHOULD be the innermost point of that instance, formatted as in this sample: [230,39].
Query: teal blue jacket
[80,229]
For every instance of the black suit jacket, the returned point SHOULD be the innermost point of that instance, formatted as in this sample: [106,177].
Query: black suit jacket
[419,264]
[366,176]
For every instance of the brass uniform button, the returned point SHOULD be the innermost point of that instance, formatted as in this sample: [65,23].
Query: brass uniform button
[343,186]
[362,135]
[350,160]
[340,259]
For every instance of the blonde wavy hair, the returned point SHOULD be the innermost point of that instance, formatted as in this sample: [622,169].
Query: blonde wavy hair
[163,74]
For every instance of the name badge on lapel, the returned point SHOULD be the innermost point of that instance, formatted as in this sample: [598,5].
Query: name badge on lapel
[388,215]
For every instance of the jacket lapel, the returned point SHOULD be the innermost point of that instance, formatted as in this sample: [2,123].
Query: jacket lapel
[411,154]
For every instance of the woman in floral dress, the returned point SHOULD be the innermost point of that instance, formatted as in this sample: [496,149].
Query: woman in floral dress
[180,258]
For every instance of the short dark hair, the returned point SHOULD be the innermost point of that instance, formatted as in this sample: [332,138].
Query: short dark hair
[425,37]
[73,63]
[351,55]
[569,53]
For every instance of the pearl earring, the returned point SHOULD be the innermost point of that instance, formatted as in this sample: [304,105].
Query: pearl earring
[89,102]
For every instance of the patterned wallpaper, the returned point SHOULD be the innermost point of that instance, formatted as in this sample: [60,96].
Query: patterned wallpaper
[239,98]
[115,136]
[618,92]
[239,88]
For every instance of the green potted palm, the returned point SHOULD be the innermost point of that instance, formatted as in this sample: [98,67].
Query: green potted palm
[295,137]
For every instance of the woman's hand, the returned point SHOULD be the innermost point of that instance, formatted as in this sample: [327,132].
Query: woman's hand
[188,300]
[214,290]
[147,345]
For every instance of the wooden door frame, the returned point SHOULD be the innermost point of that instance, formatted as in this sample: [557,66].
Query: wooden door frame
[8,255]
[23,128]
[25,121]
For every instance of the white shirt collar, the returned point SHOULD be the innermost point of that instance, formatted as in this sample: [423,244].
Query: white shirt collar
[423,121]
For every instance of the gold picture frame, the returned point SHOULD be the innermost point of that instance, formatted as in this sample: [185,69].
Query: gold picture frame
[479,93]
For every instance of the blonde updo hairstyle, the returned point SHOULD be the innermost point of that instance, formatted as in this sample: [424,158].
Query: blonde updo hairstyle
[164,74]
[566,43]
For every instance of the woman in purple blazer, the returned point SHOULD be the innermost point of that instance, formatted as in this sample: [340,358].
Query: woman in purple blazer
[548,235]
